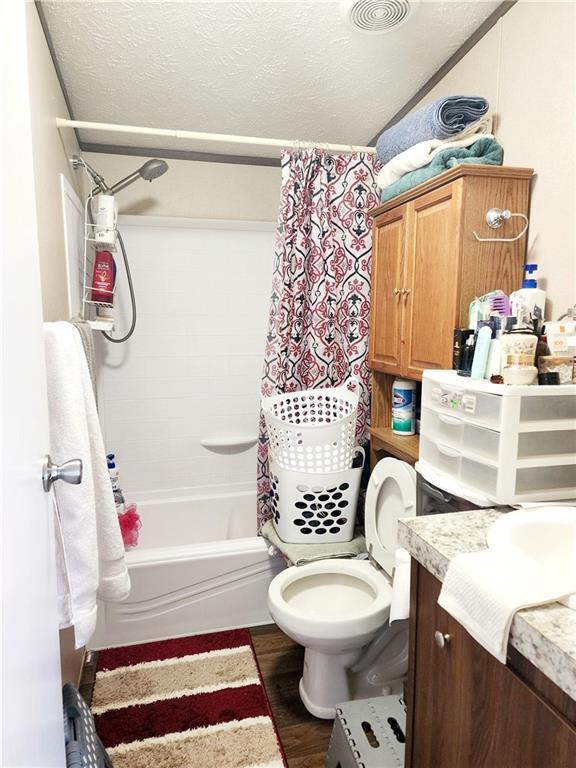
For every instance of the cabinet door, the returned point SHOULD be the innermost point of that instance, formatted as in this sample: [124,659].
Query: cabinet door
[388,268]
[467,709]
[431,286]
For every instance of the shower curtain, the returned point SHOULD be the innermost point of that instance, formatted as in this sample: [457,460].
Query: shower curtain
[320,303]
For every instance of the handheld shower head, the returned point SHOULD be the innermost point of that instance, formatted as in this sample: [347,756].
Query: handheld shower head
[152,169]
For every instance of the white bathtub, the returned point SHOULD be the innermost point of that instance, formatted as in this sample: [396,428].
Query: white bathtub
[199,567]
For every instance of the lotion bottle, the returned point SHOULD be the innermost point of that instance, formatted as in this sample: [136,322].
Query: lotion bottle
[529,296]
[481,352]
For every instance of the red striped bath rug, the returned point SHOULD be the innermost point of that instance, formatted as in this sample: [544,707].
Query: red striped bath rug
[191,702]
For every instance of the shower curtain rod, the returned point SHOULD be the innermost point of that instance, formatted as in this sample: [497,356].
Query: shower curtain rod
[215,137]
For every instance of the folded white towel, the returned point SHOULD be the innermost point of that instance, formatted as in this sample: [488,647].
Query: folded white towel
[400,603]
[90,553]
[423,153]
[483,590]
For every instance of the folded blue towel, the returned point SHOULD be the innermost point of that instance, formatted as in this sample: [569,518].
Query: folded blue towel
[438,120]
[483,151]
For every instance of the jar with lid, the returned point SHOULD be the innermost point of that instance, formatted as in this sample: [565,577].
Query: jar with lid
[520,369]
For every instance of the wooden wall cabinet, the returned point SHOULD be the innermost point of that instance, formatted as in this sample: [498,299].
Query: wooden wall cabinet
[427,266]
[467,710]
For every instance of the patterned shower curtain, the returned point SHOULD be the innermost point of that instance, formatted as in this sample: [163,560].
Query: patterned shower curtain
[320,304]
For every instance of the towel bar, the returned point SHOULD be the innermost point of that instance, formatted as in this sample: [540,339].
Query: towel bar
[495,217]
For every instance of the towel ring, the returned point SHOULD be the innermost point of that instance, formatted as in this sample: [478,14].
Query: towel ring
[495,217]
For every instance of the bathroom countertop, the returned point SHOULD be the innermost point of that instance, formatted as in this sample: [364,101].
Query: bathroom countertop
[546,636]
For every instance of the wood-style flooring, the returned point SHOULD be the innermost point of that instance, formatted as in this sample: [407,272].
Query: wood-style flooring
[304,738]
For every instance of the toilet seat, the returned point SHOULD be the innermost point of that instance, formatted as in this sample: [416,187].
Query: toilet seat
[353,599]
[391,495]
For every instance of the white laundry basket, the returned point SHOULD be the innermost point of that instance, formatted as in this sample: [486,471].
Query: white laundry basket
[315,508]
[313,430]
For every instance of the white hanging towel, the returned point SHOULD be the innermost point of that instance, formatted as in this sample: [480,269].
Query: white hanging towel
[90,553]
[483,590]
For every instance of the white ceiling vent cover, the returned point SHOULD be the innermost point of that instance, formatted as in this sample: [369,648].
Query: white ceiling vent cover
[376,16]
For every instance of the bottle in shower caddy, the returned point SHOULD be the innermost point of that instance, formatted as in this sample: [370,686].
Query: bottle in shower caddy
[404,407]
[103,278]
[114,474]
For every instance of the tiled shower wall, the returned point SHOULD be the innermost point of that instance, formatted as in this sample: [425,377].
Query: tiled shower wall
[192,368]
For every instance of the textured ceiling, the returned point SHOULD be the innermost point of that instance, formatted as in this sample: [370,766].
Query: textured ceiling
[268,68]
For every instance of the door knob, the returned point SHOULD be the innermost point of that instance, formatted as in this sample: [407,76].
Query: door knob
[441,639]
[69,472]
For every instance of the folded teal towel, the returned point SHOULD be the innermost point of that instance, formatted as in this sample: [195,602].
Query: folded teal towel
[483,151]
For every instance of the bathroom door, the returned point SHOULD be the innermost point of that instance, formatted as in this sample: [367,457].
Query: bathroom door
[31,707]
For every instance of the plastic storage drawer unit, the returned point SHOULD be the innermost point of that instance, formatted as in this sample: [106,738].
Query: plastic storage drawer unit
[512,444]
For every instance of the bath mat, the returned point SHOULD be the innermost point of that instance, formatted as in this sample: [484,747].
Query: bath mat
[190,702]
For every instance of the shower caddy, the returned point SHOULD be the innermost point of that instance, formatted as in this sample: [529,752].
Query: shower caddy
[91,245]
[315,466]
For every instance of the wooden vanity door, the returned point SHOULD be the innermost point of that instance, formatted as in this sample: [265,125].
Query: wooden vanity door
[388,271]
[440,693]
[432,276]
[466,709]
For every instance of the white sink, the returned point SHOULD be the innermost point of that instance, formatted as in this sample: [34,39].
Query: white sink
[546,535]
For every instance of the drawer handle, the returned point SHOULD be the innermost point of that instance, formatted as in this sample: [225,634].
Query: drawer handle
[450,419]
[452,452]
[441,639]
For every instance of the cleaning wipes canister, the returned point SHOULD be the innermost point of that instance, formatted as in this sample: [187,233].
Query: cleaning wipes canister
[404,407]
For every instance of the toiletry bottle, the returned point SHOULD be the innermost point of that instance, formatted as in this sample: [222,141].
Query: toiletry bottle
[467,356]
[404,407]
[460,337]
[114,473]
[494,365]
[481,351]
[529,296]
[103,278]
[114,476]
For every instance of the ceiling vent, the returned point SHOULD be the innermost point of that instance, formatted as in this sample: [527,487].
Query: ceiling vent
[376,16]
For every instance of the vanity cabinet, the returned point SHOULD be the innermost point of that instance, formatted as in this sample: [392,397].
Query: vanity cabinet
[427,266]
[466,710]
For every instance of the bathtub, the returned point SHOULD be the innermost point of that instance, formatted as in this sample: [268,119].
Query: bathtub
[199,567]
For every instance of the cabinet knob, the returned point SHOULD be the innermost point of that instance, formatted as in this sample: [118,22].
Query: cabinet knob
[405,291]
[441,639]
[396,291]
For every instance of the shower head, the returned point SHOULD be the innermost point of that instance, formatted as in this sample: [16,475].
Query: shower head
[151,170]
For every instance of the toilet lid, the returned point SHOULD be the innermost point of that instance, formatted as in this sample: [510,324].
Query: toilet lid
[391,495]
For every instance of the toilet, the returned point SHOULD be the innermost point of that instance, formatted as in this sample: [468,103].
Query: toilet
[338,609]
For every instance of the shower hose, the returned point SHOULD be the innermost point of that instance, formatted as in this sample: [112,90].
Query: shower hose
[132,298]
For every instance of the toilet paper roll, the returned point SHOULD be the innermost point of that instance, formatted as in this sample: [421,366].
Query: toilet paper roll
[400,603]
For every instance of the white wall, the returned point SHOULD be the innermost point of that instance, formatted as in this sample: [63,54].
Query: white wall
[52,152]
[195,190]
[525,66]
[193,367]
